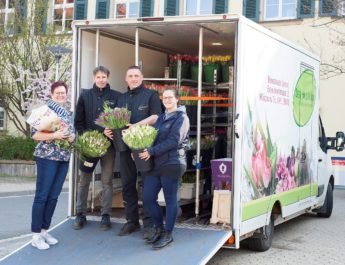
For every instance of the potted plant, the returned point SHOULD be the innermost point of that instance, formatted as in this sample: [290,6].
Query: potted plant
[138,138]
[90,146]
[115,119]
[188,185]
[225,62]
[207,144]
[185,65]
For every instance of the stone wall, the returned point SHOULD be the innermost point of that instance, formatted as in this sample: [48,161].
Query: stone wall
[20,168]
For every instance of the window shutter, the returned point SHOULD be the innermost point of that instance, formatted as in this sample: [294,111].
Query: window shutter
[306,8]
[220,6]
[327,8]
[251,9]
[102,9]
[146,8]
[41,10]
[80,9]
[171,7]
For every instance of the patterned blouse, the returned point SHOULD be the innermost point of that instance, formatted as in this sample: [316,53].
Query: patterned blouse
[48,149]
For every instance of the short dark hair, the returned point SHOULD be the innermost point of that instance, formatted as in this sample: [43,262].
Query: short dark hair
[58,84]
[175,92]
[134,67]
[102,69]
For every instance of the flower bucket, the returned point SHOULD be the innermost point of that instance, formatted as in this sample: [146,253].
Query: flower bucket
[142,165]
[194,71]
[88,164]
[192,113]
[119,144]
[209,71]
[190,156]
[185,70]
[225,71]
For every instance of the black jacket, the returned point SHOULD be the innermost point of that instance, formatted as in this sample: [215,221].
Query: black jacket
[90,105]
[169,146]
[142,103]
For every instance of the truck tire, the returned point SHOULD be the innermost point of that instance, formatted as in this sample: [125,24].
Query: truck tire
[263,241]
[326,209]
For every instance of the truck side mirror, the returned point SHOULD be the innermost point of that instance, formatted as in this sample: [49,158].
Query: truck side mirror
[339,141]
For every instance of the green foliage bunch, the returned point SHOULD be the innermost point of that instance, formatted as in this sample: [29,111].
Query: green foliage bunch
[139,137]
[91,144]
[16,148]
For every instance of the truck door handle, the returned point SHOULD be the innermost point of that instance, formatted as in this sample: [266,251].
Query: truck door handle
[320,160]
[235,129]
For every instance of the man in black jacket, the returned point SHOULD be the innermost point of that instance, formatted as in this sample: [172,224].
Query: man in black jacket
[89,106]
[145,106]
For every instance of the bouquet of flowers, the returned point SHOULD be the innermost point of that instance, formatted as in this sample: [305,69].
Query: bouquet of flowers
[91,144]
[63,143]
[113,118]
[139,137]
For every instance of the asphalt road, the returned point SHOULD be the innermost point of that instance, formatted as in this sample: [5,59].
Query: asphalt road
[304,240]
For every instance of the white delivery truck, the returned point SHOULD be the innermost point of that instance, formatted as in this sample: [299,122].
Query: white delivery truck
[271,128]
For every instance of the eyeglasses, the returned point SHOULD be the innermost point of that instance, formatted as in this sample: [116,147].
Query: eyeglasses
[168,98]
[60,93]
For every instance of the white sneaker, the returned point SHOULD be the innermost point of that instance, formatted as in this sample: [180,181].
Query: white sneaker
[49,239]
[38,242]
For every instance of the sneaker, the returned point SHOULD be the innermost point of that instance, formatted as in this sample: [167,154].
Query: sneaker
[163,241]
[129,228]
[38,242]
[105,222]
[79,221]
[148,232]
[49,239]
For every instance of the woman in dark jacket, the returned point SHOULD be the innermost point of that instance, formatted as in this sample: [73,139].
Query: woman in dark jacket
[169,156]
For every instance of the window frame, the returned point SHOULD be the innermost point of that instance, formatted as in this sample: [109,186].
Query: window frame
[127,3]
[64,6]
[7,11]
[280,12]
[198,4]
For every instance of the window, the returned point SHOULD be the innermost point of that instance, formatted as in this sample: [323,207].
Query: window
[63,15]
[280,9]
[198,7]
[127,8]
[2,118]
[7,16]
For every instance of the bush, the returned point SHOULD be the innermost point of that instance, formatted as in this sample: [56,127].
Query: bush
[16,148]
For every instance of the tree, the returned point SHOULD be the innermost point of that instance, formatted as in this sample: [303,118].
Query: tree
[25,62]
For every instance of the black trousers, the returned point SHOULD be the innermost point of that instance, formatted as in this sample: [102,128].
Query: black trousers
[129,175]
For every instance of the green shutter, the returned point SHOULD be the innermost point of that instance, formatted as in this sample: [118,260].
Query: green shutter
[146,8]
[171,7]
[220,6]
[251,9]
[327,7]
[102,9]
[41,11]
[80,9]
[306,8]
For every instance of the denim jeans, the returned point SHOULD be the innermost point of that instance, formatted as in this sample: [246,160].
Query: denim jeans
[51,175]
[107,165]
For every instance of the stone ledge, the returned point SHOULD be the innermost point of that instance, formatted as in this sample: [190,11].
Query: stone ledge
[25,162]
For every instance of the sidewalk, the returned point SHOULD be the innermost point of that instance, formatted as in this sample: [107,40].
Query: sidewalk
[10,186]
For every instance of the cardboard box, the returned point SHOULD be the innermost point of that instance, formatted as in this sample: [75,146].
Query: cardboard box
[221,173]
[221,207]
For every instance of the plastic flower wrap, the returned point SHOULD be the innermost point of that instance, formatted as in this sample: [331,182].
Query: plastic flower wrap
[116,118]
[92,144]
[139,137]
[63,143]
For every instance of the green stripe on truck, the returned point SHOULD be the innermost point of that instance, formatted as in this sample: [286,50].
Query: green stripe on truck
[264,205]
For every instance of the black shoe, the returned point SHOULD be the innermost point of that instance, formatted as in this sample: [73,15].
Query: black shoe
[129,228]
[105,222]
[164,240]
[79,221]
[154,238]
[148,232]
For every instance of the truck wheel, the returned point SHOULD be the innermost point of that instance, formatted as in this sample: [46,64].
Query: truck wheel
[326,210]
[263,241]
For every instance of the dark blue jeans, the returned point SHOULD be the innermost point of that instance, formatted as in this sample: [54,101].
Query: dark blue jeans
[50,178]
[152,186]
